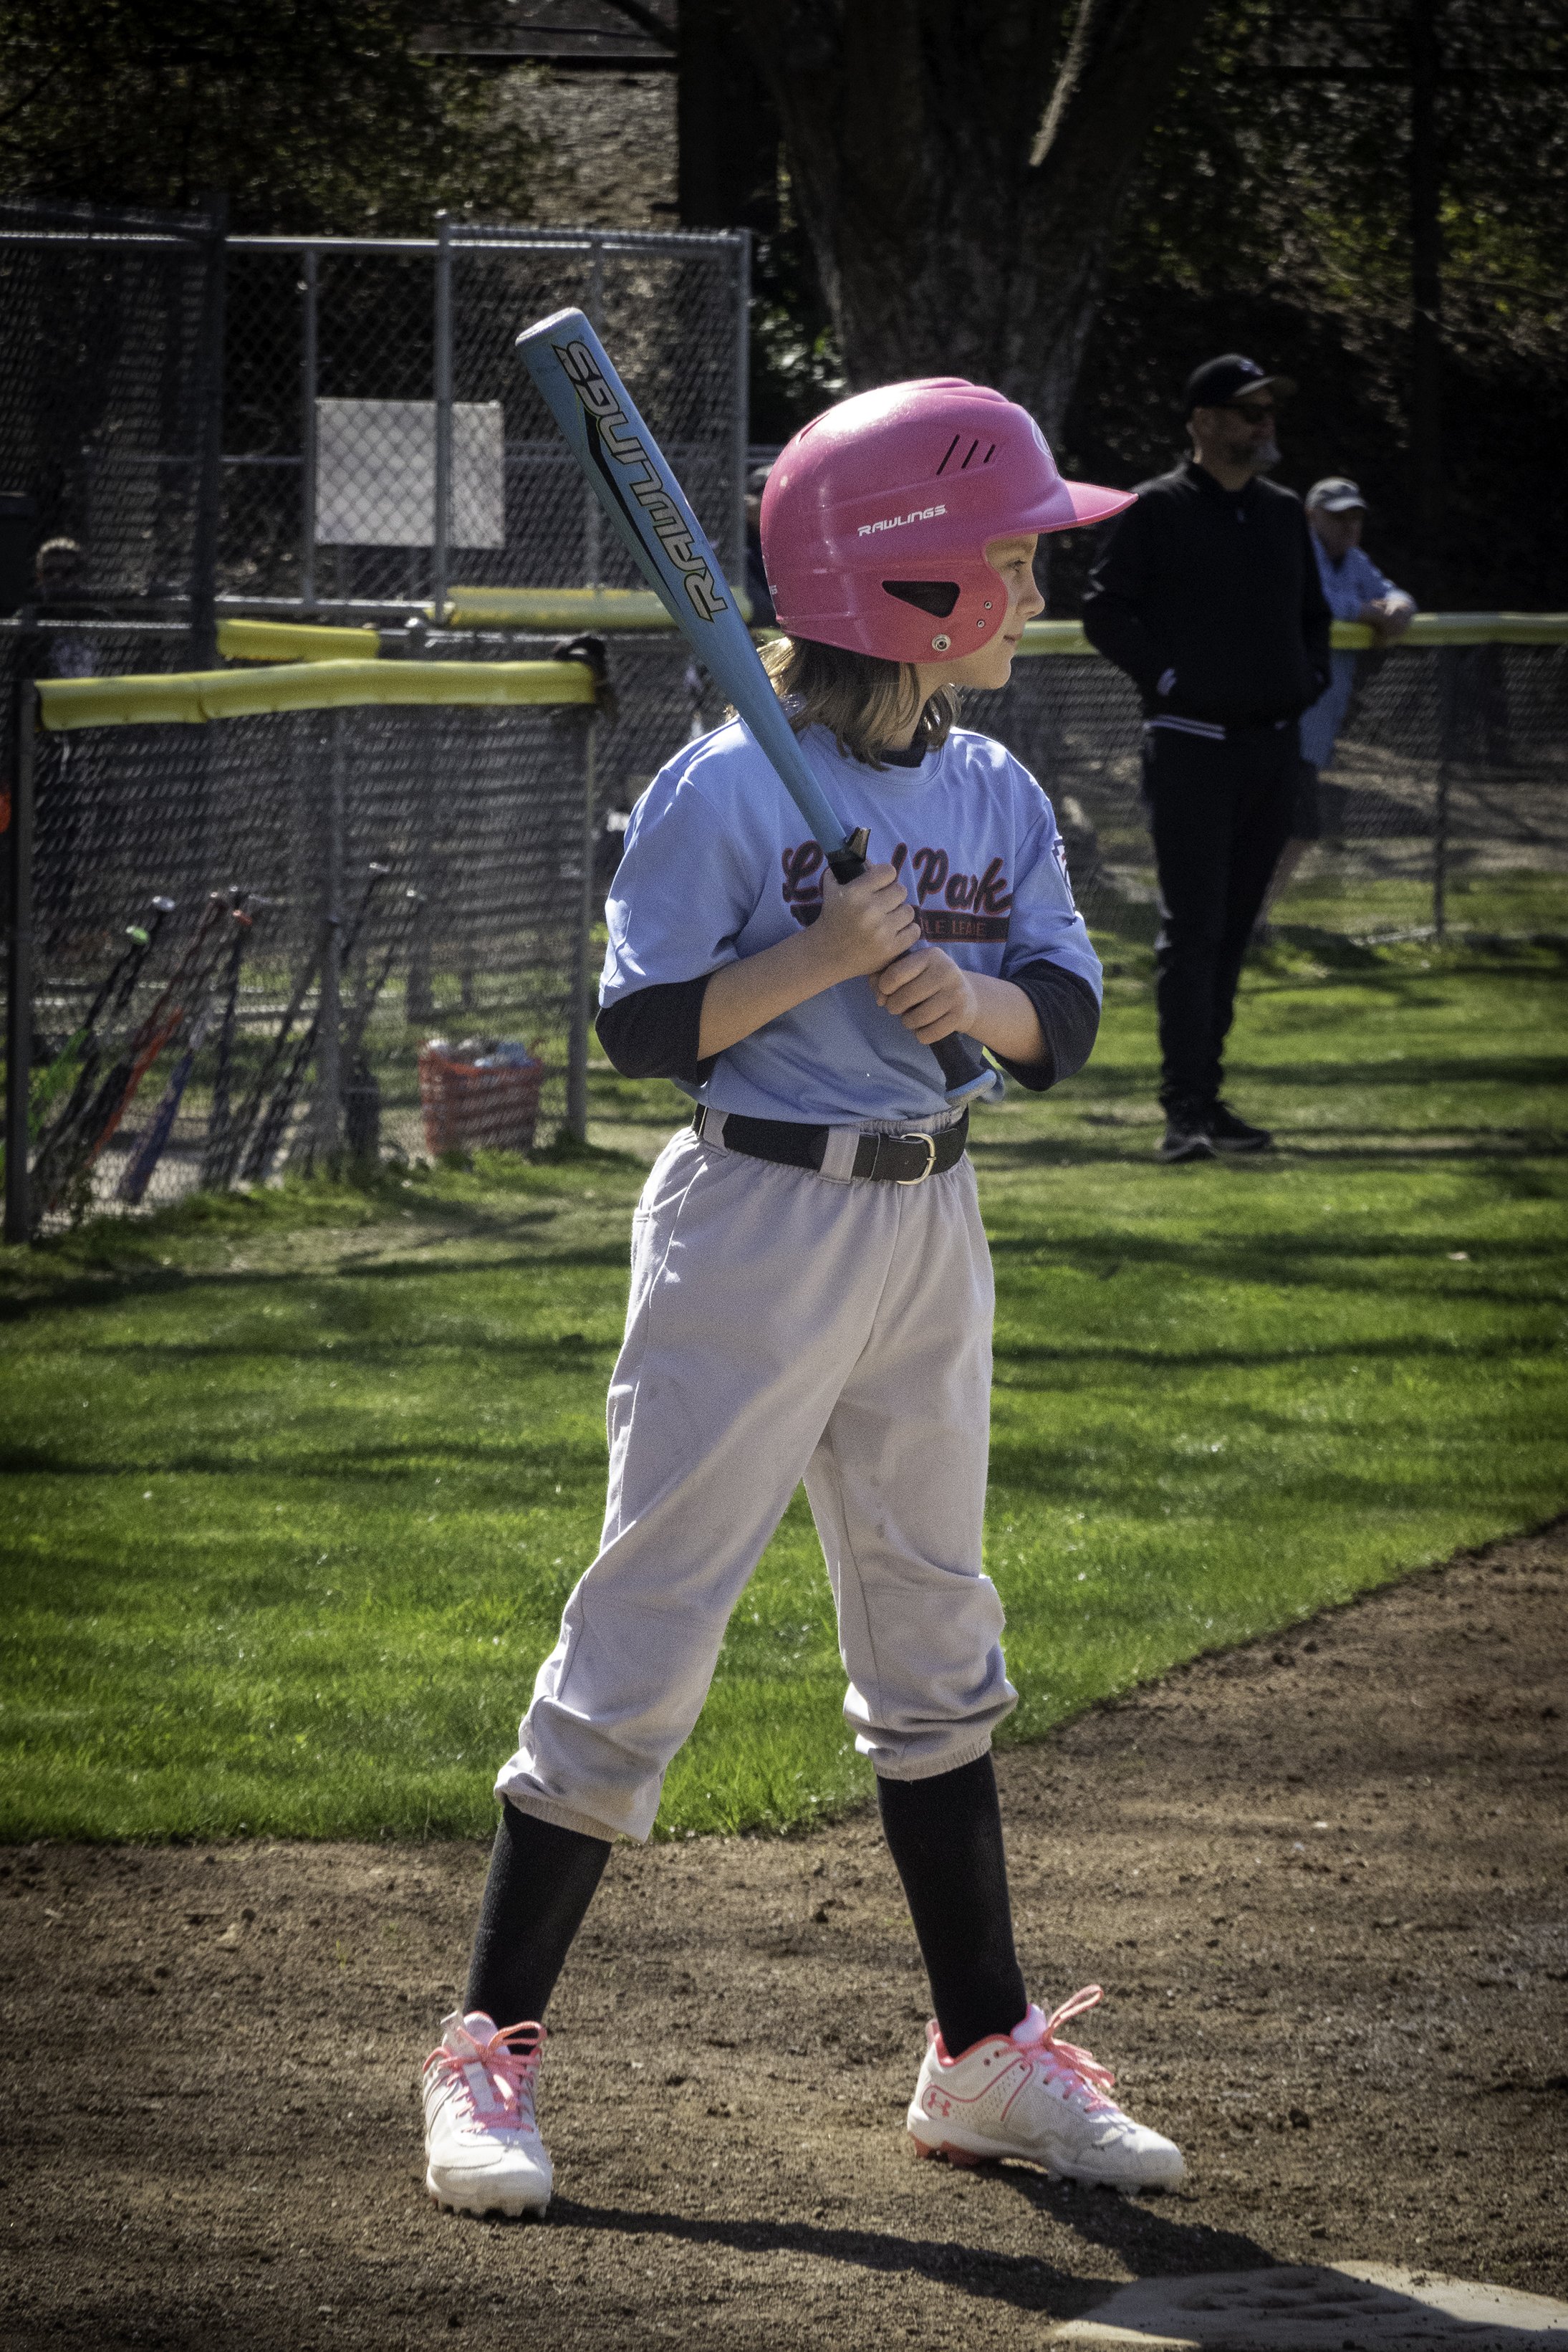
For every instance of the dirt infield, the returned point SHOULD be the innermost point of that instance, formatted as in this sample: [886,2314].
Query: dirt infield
[1324,1882]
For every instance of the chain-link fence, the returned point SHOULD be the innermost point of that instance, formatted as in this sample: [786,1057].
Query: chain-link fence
[1447,802]
[351,882]
[381,452]
[112,329]
[383,444]
[335,420]
[294,931]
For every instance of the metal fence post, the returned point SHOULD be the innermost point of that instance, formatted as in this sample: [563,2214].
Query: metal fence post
[19,971]
[310,369]
[209,452]
[1447,715]
[327,1127]
[742,395]
[577,1034]
[592,556]
[441,528]
[419,994]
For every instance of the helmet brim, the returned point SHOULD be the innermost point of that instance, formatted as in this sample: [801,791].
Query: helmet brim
[1072,504]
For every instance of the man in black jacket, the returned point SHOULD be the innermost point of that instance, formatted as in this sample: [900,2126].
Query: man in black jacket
[1206,594]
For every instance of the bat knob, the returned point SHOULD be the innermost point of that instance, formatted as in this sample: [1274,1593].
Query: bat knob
[848,863]
[964,1066]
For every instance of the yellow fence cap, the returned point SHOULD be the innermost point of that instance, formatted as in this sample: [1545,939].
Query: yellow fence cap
[561,608]
[1055,637]
[295,641]
[1488,629]
[189,698]
[1354,636]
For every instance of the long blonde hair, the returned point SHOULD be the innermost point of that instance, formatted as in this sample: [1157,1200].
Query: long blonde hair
[860,698]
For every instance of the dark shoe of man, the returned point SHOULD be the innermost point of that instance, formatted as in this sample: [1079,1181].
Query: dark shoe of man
[1229,1133]
[1188,1135]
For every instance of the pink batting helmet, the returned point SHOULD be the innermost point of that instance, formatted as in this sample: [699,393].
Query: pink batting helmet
[877,514]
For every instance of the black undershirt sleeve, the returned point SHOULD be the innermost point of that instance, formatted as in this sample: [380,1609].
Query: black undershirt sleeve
[653,1033]
[1068,1012]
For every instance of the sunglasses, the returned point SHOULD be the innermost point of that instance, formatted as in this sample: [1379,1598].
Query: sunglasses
[1250,407]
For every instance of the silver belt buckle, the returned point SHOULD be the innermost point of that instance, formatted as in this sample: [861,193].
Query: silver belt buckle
[930,1143]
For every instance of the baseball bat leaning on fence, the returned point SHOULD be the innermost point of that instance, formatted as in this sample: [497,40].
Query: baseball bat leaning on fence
[361,1095]
[240,1133]
[67,1153]
[215,1152]
[76,1063]
[269,1134]
[137,1173]
[637,490]
[192,990]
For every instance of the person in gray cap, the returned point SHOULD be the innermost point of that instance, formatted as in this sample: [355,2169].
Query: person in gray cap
[1206,594]
[1356,590]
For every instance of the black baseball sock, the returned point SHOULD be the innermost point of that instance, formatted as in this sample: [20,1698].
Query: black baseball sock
[540,1883]
[945,1836]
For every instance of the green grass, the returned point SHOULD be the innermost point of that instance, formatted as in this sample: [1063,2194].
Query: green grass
[1338,896]
[1514,900]
[298,1483]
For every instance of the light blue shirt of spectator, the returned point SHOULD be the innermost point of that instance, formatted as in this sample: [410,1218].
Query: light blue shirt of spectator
[1356,590]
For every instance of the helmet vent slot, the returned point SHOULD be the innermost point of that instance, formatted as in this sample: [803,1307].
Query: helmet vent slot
[935,596]
[967,459]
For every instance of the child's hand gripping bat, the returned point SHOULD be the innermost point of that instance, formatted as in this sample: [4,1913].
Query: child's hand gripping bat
[640,494]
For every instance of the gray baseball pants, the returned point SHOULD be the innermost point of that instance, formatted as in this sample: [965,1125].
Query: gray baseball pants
[783,1324]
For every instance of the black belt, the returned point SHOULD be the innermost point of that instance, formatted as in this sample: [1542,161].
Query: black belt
[884,1158]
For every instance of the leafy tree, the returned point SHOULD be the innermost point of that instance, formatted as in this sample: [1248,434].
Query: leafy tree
[1250,186]
[312,115]
[1272,212]
[959,168]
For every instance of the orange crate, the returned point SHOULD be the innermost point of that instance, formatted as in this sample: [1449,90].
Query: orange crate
[467,1108]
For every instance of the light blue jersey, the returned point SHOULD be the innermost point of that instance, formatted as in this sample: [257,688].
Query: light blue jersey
[719,864]
[1349,584]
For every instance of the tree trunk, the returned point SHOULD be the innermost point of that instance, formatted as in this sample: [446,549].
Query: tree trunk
[726,130]
[959,190]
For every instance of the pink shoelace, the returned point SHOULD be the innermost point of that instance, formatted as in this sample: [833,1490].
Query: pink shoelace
[1096,2079]
[510,2064]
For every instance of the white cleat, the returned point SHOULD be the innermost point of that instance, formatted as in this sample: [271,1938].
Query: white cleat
[1027,2095]
[483,2153]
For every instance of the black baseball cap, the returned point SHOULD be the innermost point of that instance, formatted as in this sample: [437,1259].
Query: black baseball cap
[1219,382]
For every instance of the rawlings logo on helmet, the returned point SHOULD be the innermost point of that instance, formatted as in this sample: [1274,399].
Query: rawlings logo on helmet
[896,522]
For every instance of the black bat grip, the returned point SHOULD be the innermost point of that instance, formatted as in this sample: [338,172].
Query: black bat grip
[958,1057]
[959,1061]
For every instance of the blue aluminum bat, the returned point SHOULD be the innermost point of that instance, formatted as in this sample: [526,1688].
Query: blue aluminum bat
[638,491]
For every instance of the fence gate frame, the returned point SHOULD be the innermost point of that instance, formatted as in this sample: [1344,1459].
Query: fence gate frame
[452,239]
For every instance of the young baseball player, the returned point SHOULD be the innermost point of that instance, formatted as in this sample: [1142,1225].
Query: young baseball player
[811,1293]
